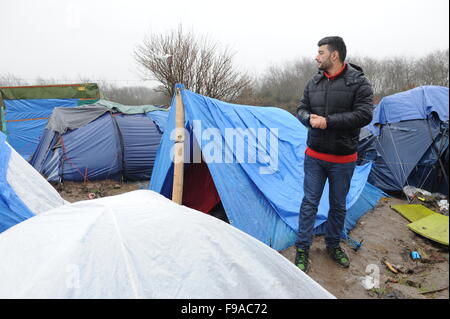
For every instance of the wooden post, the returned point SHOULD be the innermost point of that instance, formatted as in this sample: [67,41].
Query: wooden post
[178,159]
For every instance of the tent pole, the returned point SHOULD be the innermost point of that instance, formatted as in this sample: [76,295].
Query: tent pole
[178,171]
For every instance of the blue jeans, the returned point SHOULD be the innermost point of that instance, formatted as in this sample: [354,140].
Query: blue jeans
[339,177]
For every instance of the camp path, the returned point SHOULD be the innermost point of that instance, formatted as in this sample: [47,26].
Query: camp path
[385,236]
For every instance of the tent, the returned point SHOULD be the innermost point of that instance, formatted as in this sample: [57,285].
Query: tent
[24,110]
[408,140]
[24,193]
[142,245]
[104,140]
[252,163]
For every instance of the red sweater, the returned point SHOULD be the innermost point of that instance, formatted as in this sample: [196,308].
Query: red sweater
[332,77]
[331,157]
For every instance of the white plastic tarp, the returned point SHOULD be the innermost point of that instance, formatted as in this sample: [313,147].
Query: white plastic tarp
[142,245]
[30,186]
[23,191]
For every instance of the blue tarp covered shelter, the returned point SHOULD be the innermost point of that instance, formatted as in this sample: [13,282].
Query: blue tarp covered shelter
[24,193]
[12,209]
[254,160]
[97,142]
[409,140]
[25,110]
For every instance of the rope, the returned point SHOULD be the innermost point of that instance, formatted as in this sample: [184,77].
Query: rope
[396,153]
[65,158]
[398,156]
[38,118]
[383,161]
[428,175]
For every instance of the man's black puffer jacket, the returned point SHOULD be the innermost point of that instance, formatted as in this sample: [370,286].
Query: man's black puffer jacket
[346,103]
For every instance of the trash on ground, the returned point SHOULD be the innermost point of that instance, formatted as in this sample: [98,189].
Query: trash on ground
[434,290]
[443,206]
[415,255]
[389,266]
[412,212]
[434,227]
[435,201]
[425,222]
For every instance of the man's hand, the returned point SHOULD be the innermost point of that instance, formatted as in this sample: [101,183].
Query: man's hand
[317,121]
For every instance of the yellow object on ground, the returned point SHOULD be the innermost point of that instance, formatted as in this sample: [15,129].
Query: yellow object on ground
[434,227]
[413,212]
[425,222]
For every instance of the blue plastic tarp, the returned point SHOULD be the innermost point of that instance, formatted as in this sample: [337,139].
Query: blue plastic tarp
[414,104]
[26,120]
[402,145]
[111,146]
[141,139]
[92,151]
[160,118]
[12,208]
[261,189]
[410,137]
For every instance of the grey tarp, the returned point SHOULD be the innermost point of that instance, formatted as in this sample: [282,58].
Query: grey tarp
[64,119]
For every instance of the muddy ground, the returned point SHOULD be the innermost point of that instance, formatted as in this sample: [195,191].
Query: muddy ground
[385,237]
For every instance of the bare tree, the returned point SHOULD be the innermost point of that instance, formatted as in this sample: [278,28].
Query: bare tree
[394,74]
[433,68]
[372,69]
[11,80]
[133,95]
[180,57]
[282,85]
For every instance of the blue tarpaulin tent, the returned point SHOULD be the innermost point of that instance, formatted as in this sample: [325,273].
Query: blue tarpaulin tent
[24,110]
[23,191]
[409,140]
[24,134]
[12,209]
[254,160]
[94,142]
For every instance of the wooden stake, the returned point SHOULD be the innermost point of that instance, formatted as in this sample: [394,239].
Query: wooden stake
[178,159]
[435,290]
[85,176]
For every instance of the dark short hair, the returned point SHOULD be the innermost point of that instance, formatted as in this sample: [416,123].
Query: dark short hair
[335,44]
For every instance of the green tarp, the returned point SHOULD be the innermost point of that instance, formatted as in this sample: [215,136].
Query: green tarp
[64,91]
[86,93]
[24,110]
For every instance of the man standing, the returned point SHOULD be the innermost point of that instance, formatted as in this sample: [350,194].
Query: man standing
[336,103]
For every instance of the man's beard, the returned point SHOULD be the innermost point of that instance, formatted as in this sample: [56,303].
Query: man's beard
[324,65]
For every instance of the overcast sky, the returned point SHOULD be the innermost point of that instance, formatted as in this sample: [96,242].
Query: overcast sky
[96,38]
